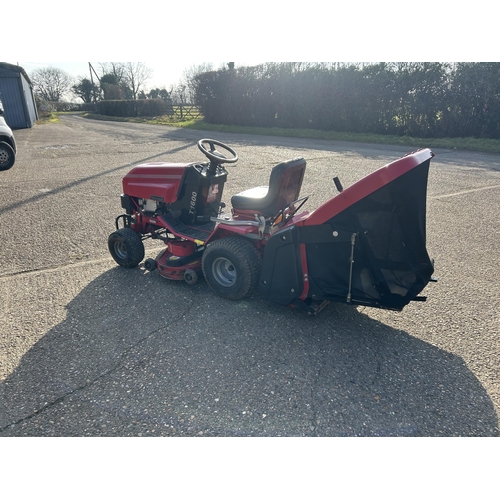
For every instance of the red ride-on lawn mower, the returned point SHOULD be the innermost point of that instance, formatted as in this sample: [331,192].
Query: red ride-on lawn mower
[365,246]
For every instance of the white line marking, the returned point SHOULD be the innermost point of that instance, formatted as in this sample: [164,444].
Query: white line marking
[463,192]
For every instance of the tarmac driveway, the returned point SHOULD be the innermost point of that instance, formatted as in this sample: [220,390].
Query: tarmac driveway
[90,349]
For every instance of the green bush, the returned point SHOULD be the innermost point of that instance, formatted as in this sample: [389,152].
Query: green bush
[133,108]
[402,99]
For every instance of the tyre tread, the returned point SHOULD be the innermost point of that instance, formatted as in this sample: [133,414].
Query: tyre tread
[135,244]
[248,257]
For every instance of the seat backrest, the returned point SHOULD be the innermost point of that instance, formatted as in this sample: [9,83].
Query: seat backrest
[284,187]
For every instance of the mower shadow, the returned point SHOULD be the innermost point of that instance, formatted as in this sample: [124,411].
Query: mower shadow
[140,355]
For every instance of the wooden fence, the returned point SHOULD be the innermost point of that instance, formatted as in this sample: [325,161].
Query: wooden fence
[187,111]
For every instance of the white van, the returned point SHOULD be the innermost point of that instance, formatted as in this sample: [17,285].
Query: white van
[8,146]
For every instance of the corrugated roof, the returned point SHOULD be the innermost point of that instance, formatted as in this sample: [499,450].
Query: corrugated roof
[17,69]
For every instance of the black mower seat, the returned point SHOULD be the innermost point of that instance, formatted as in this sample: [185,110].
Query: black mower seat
[284,187]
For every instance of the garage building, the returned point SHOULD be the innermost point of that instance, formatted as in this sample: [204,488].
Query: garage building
[16,94]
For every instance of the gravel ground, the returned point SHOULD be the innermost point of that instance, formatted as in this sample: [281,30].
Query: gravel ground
[90,349]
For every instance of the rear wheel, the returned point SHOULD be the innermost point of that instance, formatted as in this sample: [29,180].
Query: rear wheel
[126,247]
[7,156]
[231,267]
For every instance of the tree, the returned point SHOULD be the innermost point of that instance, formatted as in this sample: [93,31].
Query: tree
[51,84]
[85,90]
[158,93]
[184,92]
[113,68]
[135,75]
[474,100]
[124,80]
[110,85]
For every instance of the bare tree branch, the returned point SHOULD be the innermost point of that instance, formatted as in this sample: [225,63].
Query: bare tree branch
[51,84]
[135,75]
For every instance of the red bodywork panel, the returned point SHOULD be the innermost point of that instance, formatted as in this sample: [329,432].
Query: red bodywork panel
[365,187]
[155,181]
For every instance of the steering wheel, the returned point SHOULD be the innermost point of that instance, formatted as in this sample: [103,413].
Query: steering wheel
[215,156]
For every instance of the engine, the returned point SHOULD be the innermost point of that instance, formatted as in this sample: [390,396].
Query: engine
[149,206]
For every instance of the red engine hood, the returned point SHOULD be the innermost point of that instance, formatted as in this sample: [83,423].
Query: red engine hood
[157,181]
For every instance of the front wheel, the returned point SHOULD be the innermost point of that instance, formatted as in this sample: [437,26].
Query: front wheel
[231,267]
[126,247]
[150,265]
[7,156]
[190,276]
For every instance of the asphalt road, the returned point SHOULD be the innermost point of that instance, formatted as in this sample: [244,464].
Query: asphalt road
[90,349]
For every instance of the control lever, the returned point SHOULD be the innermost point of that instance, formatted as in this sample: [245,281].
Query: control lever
[338,184]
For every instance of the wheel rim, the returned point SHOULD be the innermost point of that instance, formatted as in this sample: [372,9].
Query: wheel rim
[224,271]
[121,250]
[4,156]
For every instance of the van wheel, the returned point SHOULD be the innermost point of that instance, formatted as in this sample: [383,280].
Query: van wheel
[7,156]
